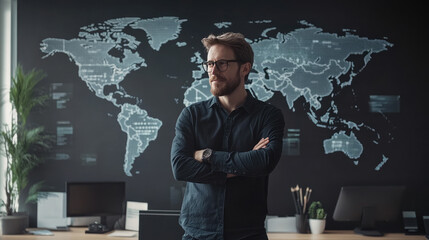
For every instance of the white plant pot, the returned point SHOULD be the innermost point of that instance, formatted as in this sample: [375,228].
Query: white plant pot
[317,226]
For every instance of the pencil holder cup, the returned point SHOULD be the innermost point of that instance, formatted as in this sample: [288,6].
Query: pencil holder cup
[301,223]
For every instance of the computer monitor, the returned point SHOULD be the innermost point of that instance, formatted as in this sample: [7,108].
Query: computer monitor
[95,199]
[369,205]
[151,220]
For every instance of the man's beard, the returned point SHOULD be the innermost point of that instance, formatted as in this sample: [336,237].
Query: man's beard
[228,86]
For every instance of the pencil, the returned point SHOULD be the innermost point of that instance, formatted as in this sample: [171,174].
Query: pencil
[305,204]
[297,199]
[292,190]
[306,191]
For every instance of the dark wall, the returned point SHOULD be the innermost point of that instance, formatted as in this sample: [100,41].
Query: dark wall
[400,70]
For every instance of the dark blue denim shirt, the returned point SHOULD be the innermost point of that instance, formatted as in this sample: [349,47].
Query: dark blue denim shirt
[214,206]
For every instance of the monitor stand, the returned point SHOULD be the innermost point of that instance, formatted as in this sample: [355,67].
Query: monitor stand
[368,226]
[368,232]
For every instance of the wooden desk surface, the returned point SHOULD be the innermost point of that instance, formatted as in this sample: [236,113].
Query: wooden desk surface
[341,235]
[75,233]
[79,234]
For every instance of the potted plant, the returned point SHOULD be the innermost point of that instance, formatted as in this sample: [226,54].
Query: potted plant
[317,217]
[20,146]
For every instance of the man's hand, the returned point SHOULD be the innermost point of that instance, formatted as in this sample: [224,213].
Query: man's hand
[262,143]
[198,155]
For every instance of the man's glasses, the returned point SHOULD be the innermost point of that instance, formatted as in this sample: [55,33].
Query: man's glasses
[221,65]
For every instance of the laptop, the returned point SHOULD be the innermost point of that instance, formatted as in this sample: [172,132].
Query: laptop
[160,224]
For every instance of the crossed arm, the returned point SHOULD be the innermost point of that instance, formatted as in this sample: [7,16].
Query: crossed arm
[261,160]
[198,155]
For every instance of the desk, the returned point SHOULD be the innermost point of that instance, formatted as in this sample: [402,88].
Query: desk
[79,234]
[341,235]
[75,233]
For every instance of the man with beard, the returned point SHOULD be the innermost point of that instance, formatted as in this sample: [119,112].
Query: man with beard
[225,148]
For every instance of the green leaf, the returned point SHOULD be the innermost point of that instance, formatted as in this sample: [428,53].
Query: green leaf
[33,193]
[21,145]
[22,92]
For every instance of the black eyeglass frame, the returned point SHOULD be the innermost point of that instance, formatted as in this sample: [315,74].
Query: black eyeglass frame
[206,67]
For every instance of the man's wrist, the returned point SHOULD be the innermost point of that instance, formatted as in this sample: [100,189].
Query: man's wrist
[207,155]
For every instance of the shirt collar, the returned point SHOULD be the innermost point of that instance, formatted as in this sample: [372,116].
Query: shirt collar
[247,106]
[250,102]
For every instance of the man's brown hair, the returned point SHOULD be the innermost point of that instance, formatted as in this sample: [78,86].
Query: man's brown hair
[241,48]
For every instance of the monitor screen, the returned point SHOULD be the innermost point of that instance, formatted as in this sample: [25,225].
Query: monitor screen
[95,199]
[368,205]
[150,220]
